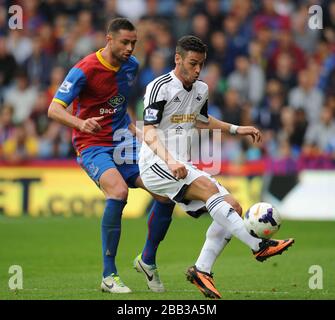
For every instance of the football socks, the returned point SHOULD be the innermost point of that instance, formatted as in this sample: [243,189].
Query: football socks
[110,233]
[217,237]
[222,212]
[158,224]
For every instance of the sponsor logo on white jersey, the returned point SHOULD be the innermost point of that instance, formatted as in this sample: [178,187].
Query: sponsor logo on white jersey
[183,118]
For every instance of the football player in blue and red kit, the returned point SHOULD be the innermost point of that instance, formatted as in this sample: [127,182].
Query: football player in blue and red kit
[104,138]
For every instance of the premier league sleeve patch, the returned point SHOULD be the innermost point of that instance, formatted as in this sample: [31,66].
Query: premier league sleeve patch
[71,86]
[65,87]
[153,113]
[150,115]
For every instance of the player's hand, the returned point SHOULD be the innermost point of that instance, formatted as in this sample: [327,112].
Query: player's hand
[178,170]
[250,131]
[91,125]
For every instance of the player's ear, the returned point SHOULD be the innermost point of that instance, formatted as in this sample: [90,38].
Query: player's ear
[177,58]
[109,37]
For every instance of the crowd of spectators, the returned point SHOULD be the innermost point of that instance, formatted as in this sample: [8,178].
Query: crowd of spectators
[265,67]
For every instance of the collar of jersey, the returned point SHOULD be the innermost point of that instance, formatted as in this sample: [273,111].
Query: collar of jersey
[180,83]
[106,63]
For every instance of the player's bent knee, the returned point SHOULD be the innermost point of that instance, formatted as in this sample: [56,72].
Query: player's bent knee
[236,207]
[239,210]
[121,193]
[116,192]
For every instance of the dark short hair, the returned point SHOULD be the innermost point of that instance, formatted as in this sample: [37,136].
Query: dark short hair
[118,24]
[190,43]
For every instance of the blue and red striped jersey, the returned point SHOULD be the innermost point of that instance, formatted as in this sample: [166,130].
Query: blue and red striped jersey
[96,88]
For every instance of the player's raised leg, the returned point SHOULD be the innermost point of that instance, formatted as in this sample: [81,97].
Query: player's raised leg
[116,193]
[221,211]
[225,215]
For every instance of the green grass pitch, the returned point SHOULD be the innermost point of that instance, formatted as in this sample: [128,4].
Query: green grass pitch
[61,259]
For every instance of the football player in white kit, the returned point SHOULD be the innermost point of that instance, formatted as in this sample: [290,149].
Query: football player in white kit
[174,104]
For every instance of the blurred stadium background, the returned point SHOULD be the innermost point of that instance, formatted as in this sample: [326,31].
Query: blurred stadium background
[265,67]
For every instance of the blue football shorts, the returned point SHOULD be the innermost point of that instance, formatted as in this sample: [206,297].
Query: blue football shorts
[97,159]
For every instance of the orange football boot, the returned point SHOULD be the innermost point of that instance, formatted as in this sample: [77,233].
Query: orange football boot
[271,247]
[203,281]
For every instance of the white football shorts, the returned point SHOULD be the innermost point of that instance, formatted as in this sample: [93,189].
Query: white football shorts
[159,179]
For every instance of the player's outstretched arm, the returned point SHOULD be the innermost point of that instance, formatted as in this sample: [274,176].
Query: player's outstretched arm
[249,131]
[57,112]
[226,127]
[151,138]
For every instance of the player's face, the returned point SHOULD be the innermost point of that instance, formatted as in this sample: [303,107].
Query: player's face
[190,65]
[122,44]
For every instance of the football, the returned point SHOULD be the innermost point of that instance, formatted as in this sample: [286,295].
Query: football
[262,220]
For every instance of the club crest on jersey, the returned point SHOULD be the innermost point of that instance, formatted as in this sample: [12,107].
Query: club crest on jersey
[65,87]
[199,97]
[150,114]
[116,101]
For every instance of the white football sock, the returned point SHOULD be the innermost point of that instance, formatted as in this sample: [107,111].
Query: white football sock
[217,237]
[222,212]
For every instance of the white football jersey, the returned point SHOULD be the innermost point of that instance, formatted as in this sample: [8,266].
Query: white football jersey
[173,110]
